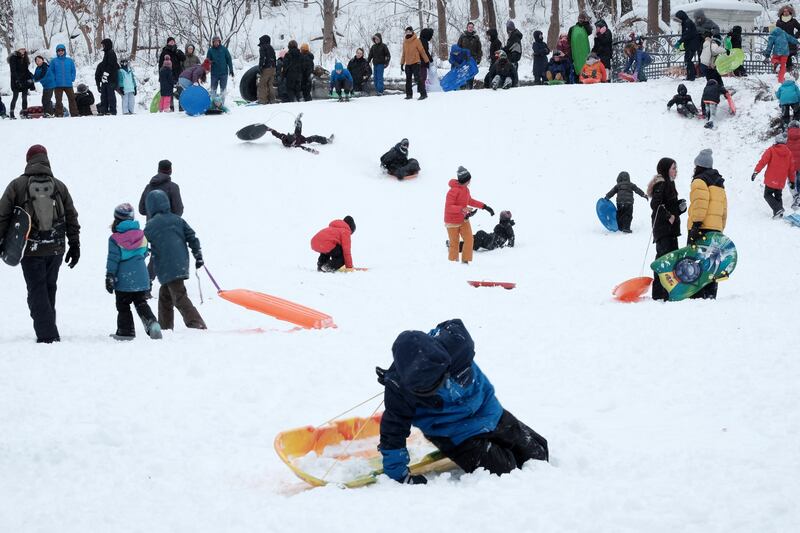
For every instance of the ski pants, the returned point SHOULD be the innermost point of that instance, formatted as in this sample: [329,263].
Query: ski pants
[713,74]
[409,169]
[128,103]
[664,246]
[172,295]
[774,198]
[456,233]
[710,110]
[331,261]
[506,448]
[125,326]
[780,61]
[624,216]
[689,110]
[412,71]
[41,279]
[108,100]
[483,240]
[787,109]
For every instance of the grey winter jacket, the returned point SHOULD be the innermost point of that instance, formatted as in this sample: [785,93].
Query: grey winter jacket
[624,190]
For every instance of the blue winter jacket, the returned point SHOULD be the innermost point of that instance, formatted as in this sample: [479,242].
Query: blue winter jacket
[563,67]
[459,56]
[168,235]
[778,43]
[221,63]
[126,80]
[435,385]
[638,61]
[44,75]
[788,93]
[343,75]
[63,68]
[127,248]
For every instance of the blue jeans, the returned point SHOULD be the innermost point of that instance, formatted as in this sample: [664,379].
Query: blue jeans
[379,78]
[218,81]
[185,84]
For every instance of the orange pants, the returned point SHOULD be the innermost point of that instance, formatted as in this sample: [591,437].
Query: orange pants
[456,234]
[780,60]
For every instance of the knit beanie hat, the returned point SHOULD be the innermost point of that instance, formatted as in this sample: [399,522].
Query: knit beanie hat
[463,175]
[704,159]
[510,25]
[781,138]
[165,166]
[36,149]
[505,215]
[350,222]
[123,212]
[207,64]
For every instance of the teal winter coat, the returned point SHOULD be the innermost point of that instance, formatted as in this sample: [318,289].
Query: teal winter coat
[127,248]
[168,235]
[788,93]
[221,62]
[127,80]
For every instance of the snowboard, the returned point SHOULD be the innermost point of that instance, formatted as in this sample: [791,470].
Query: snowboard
[607,213]
[195,101]
[731,105]
[579,44]
[154,102]
[252,132]
[726,64]
[13,246]
[687,270]
[345,453]
[505,284]
[457,78]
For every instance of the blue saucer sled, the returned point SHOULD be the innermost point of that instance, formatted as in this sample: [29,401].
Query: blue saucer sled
[607,213]
[195,101]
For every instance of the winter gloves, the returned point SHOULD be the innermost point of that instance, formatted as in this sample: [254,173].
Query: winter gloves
[417,479]
[110,283]
[682,206]
[73,255]
[489,209]
[753,177]
[695,234]
[198,264]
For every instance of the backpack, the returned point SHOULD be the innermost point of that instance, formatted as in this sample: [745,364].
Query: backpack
[44,201]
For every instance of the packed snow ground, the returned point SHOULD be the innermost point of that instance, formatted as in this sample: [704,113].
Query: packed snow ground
[660,417]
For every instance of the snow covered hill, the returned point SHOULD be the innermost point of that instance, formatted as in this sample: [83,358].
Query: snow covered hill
[660,417]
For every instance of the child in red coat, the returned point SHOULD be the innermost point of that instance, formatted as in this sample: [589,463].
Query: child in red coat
[333,245]
[780,167]
[793,143]
[456,216]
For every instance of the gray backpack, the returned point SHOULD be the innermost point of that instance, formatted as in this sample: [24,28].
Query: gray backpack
[44,201]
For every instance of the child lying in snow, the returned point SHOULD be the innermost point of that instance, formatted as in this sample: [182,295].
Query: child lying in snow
[435,385]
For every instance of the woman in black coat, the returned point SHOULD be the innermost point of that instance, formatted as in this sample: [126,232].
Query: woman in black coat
[789,24]
[360,70]
[21,78]
[292,72]
[667,210]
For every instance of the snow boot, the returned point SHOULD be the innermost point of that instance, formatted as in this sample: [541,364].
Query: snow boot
[409,97]
[709,125]
[507,83]
[341,98]
[422,97]
[495,83]
[346,98]
[330,139]
[779,214]
[122,337]
[154,331]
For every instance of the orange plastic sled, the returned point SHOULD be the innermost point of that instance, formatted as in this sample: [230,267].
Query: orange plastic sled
[505,284]
[632,290]
[278,308]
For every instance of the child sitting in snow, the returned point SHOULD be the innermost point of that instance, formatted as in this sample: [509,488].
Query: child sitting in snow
[624,190]
[503,235]
[217,106]
[788,95]
[435,385]
[84,100]
[397,163]
[560,68]
[126,274]
[712,93]
[502,73]
[683,103]
[593,70]
[333,245]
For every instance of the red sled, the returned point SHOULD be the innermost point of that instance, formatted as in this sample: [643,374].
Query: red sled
[632,290]
[505,284]
[624,76]
[731,105]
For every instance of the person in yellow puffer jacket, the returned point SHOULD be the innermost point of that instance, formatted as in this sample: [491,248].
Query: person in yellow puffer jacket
[708,208]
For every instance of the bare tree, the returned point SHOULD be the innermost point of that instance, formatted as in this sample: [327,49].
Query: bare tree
[441,16]
[474,11]
[137,14]
[626,6]
[489,14]
[328,38]
[665,10]
[7,24]
[512,9]
[652,17]
[41,12]
[555,24]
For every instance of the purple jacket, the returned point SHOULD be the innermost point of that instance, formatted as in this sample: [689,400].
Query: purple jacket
[193,74]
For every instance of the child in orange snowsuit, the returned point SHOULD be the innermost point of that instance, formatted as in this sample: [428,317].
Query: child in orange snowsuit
[593,70]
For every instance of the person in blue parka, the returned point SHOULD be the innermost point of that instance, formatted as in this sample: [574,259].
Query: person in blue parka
[168,235]
[341,80]
[64,74]
[126,274]
[44,75]
[435,385]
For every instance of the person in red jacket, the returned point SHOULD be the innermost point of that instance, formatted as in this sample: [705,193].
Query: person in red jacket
[793,143]
[333,245]
[456,216]
[780,166]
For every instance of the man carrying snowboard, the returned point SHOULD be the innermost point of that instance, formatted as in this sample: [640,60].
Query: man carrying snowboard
[435,385]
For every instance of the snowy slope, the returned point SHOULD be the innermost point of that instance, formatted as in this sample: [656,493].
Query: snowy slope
[677,417]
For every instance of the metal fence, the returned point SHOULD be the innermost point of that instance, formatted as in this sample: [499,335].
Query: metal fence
[669,62]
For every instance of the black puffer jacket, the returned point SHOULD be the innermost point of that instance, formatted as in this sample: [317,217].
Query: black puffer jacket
[494,44]
[21,77]
[163,182]
[293,67]
[425,37]
[504,234]
[108,68]
[503,68]
[664,203]
[624,190]
[513,46]
[713,91]
[360,70]
[176,56]
[266,54]
[379,52]
[792,28]
[603,43]
[394,159]
[689,37]
[470,41]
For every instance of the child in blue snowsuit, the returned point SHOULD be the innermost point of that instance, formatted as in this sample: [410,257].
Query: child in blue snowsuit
[435,385]
[126,274]
[789,97]
[341,79]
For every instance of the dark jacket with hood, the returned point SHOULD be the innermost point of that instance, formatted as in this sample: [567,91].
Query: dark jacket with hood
[394,158]
[704,24]
[176,56]
[21,77]
[540,53]
[682,98]
[379,52]
[425,37]
[168,235]
[360,71]
[435,385]
[163,182]
[84,101]
[504,234]
[603,42]
[494,44]
[736,36]
[470,41]
[624,190]
[65,227]
[690,38]
[293,67]
[513,46]
[503,68]
[109,66]
[664,203]
[713,91]
[266,54]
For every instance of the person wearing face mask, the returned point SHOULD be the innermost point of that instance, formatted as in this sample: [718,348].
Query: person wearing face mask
[667,209]
[410,62]
[790,25]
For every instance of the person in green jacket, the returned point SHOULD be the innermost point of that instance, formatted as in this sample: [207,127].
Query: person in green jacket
[221,65]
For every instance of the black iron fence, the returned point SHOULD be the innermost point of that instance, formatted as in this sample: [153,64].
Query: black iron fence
[669,62]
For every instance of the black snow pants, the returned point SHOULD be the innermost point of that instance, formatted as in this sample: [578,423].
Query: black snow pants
[511,444]
[41,278]
[331,261]
[664,246]
[786,109]
[774,198]
[108,100]
[688,59]
[125,326]
[624,217]
[409,169]
[412,71]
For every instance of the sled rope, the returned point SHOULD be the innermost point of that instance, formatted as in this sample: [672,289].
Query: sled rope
[212,278]
[199,287]
[355,437]
[340,415]
[652,229]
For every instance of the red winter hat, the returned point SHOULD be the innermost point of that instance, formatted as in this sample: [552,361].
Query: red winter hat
[207,64]
[35,150]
